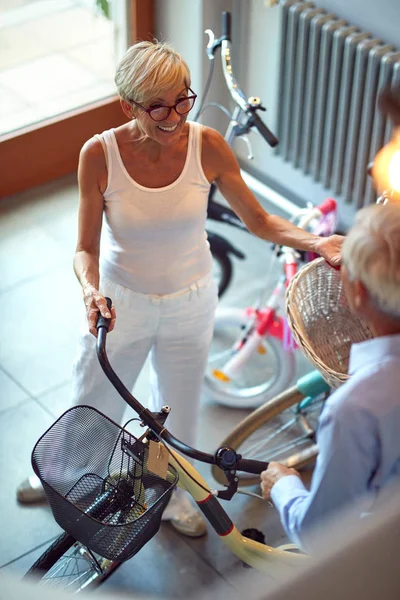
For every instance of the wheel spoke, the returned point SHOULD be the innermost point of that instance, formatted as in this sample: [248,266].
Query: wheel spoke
[259,442]
[73,571]
[279,436]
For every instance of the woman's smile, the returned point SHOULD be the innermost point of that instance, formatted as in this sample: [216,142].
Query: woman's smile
[168,128]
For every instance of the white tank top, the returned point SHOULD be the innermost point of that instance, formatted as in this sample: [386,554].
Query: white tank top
[154,239]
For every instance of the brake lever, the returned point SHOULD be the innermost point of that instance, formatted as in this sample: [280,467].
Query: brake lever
[231,488]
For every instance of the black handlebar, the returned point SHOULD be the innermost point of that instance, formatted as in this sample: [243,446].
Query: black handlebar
[148,418]
[267,134]
[226,26]
[104,321]
[251,466]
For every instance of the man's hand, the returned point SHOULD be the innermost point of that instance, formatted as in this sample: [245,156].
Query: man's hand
[274,473]
[330,248]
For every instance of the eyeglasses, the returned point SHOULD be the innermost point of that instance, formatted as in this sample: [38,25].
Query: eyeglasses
[160,113]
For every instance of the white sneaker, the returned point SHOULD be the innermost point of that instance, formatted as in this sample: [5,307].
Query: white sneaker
[183,516]
[31,491]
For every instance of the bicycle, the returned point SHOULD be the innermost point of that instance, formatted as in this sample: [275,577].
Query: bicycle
[283,429]
[251,357]
[107,489]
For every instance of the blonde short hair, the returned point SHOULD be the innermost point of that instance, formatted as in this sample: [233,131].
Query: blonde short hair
[371,254]
[148,69]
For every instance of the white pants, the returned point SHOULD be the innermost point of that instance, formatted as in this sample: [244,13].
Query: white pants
[176,330]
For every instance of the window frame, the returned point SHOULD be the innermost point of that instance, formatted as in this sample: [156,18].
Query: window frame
[50,149]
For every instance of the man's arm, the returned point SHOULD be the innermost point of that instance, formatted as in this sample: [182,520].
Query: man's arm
[348,451]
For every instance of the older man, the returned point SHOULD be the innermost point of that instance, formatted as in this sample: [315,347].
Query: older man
[359,429]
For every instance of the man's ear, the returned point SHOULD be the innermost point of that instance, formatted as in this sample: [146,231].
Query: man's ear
[127,108]
[361,295]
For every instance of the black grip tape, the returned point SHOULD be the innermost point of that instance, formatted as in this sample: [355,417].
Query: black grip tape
[226,26]
[251,466]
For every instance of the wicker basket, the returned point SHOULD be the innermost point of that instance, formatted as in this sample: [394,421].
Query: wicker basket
[321,321]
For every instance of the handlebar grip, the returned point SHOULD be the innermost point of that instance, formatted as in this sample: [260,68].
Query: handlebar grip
[226,26]
[251,466]
[102,321]
[327,206]
[265,132]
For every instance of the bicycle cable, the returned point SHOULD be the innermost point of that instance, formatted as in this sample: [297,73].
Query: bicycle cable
[254,495]
[206,90]
[216,105]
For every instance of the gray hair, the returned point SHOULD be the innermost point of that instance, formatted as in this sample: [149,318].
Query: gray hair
[371,254]
[150,68]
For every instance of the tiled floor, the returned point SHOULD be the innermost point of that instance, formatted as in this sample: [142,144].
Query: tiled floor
[55,56]
[41,309]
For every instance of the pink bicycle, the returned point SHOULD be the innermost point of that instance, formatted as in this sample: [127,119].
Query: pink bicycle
[252,354]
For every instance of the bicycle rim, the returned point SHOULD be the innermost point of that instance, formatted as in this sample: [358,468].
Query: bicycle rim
[274,432]
[75,570]
[267,372]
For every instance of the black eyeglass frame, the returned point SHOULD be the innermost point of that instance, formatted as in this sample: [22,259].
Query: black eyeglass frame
[150,110]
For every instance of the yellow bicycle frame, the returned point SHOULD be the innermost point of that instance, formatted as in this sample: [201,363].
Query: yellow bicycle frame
[273,561]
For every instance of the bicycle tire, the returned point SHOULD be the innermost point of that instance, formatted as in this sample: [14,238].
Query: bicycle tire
[225,270]
[48,569]
[253,423]
[273,377]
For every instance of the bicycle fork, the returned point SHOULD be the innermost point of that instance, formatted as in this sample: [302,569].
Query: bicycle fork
[267,322]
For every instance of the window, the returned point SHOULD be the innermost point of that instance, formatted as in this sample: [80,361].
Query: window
[56,80]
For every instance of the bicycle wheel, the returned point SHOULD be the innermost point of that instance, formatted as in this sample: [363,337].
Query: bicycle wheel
[70,566]
[221,270]
[276,431]
[266,373]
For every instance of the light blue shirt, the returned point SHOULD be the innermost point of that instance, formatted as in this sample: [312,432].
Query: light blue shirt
[358,438]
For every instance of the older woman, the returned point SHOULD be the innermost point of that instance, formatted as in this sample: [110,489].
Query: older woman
[358,434]
[148,181]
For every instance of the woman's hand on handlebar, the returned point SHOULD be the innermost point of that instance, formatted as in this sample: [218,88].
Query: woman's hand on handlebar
[330,248]
[95,303]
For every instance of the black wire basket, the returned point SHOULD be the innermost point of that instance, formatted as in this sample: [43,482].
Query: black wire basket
[95,477]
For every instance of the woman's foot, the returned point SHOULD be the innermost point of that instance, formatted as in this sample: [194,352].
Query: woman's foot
[183,516]
[31,491]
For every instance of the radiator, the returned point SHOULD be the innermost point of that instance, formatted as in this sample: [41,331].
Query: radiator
[330,75]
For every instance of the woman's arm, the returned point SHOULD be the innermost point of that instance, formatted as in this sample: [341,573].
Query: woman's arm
[222,166]
[92,180]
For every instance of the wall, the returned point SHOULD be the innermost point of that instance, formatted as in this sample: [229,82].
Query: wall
[381,18]
[182,23]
